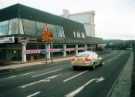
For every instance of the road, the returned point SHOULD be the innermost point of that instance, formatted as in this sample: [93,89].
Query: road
[59,80]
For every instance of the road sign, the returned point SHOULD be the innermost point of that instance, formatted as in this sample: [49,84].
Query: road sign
[47,36]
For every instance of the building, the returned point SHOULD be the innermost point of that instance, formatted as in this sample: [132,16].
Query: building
[86,18]
[21,30]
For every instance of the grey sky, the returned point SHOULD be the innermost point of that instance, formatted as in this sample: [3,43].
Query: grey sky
[114,18]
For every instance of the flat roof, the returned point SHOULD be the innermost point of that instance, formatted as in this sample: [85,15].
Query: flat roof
[25,12]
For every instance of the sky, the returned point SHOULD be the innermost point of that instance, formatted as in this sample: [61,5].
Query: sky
[114,19]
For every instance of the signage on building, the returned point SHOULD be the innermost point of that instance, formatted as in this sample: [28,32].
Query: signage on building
[81,48]
[70,49]
[43,51]
[55,50]
[33,51]
[7,40]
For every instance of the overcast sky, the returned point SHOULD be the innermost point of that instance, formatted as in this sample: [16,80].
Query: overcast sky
[114,18]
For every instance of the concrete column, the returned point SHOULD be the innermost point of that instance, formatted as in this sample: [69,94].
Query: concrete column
[76,49]
[86,47]
[48,53]
[24,44]
[64,48]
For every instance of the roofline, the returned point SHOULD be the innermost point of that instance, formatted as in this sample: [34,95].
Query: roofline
[20,4]
[82,13]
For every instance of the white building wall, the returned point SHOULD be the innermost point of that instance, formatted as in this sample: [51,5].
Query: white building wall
[87,18]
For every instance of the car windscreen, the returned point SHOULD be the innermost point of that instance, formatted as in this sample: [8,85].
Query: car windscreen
[83,54]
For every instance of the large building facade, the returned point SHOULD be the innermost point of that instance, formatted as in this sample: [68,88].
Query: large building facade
[21,30]
[86,18]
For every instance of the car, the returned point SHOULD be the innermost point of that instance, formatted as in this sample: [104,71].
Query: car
[88,59]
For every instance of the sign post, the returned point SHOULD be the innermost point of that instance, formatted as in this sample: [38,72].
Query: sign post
[47,37]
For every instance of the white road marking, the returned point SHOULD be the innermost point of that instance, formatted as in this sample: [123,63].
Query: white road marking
[75,92]
[113,58]
[39,81]
[27,73]
[72,77]
[34,76]
[99,79]
[10,77]
[34,94]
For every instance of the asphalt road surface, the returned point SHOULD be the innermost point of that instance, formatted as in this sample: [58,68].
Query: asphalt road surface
[60,80]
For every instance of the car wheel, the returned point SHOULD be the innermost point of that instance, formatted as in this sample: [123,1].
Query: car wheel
[74,67]
[101,64]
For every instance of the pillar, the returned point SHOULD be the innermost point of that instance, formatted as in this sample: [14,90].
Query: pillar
[86,47]
[64,50]
[48,53]
[76,49]
[24,44]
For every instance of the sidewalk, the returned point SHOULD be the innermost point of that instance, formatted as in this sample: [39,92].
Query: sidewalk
[15,66]
[35,63]
[122,86]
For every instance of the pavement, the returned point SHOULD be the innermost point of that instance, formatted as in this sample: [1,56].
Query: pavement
[122,86]
[17,65]
[60,80]
[133,75]
[28,64]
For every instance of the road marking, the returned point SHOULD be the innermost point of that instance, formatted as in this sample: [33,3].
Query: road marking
[48,79]
[113,58]
[34,94]
[114,84]
[100,79]
[27,73]
[75,92]
[34,76]
[10,77]
[13,76]
[72,77]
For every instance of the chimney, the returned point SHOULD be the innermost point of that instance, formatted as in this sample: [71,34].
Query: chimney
[65,13]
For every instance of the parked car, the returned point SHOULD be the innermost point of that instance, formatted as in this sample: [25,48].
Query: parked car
[88,59]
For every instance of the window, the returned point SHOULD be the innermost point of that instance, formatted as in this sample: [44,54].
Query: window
[13,26]
[57,30]
[29,27]
[39,28]
[60,31]
[4,26]
[34,28]
[74,34]
[83,36]
[78,34]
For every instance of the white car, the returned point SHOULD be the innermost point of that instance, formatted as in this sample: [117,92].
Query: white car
[86,59]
